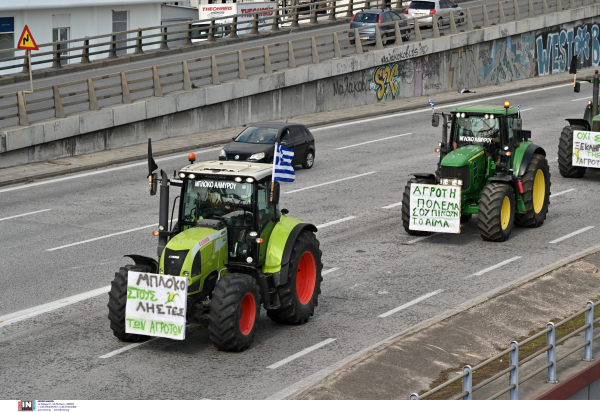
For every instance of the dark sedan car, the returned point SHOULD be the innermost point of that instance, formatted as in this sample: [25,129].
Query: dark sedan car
[257,144]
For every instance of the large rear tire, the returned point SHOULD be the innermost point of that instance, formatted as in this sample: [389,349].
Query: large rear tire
[117,300]
[300,294]
[565,154]
[536,195]
[234,312]
[496,212]
[406,205]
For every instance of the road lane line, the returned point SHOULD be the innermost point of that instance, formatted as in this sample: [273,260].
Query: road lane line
[506,262]
[410,242]
[560,239]
[102,237]
[392,205]
[301,353]
[24,214]
[524,110]
[112,169]
[329,183]
[412,302]
[335,222]
[48,307]
[582,98]
[325,272]
[373,141]
[561,193]
[451,105]
[124,349]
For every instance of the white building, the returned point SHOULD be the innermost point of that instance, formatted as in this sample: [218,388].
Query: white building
[53,20]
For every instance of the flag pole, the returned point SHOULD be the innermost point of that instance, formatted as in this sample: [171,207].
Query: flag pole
[30,73]
[273,174]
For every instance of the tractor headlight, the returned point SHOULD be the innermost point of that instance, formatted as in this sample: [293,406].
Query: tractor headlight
[182,175]
[191,176]
[506,148]
[222,153]
[249,180]
[249,260]
[462,115]
[257,156]
[492,116]
[487,116]
[445,181]
[460,182]
[454,182]
[238,179]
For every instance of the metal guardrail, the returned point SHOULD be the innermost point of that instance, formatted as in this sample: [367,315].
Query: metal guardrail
[515,363]
[95,93]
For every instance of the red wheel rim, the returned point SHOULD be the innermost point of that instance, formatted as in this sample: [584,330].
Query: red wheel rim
[306,277]
[248,314]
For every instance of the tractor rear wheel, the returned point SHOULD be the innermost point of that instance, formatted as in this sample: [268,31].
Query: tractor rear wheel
[300,294]
[536,195]
[234,312]
[565,154]
[406,205]
[117,299]
[496,212]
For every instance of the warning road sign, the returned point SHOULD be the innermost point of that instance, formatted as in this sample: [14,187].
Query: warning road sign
[26,41]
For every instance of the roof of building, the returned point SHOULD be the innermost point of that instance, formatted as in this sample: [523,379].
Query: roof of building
[55,4]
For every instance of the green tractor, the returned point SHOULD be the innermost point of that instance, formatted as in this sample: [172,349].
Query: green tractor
[234,246]
[503,177]
[589,123]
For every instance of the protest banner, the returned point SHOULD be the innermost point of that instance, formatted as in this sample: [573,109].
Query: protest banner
[434,208]
[156,305]
[586,149]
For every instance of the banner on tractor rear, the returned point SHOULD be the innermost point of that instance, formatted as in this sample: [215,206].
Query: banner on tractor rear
[434,208]
[586,149]
[156,305]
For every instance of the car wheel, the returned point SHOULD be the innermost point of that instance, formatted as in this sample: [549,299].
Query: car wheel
[309,161]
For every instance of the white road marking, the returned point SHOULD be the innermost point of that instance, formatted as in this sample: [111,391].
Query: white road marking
[524,110]
[335,222]
[555,159]
[582,98]
[410,242]
[24,214]
[372,141]
[301,353]
[325,272]
[102,237]
[124,349]
[506,262]
[451,105]
[38,310]
[412,302]
[112,169]
[392,205]
[329,183]
[561,193]
[560,239]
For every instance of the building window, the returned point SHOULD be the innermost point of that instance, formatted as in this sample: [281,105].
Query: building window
[7,36]
[60,34]
[119,23]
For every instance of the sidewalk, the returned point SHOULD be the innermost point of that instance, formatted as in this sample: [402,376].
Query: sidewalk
[29,172]
[434,352]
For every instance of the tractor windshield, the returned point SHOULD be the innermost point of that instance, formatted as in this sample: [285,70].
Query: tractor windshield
[215,199]
[475,130]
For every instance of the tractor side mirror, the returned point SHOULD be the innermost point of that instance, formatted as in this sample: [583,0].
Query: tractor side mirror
[274,195]
[573,67]
[153,183]
[517,125]
[577,87]
[435,120]
[526,135]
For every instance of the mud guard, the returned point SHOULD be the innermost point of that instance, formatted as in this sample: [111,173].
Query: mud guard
[579,122]
[146,261]
[289,245]
[511,180]
[529,152]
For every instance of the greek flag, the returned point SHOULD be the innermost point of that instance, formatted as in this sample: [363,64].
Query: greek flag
[283,171]
[431,104]
[519,110]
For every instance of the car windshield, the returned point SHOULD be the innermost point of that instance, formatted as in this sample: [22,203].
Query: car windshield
[258,135]
[477,130]
[422,5]
[214,199]
[366,18]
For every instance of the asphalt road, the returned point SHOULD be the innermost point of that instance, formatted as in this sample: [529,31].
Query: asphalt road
[373,266]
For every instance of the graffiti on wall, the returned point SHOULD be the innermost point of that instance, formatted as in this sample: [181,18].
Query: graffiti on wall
[346,86]
[556,46]
[386,81]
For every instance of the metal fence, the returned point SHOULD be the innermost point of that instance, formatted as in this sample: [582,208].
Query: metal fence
[126,87]
[514,378]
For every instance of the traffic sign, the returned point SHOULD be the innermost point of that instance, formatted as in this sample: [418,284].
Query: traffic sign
[26,41]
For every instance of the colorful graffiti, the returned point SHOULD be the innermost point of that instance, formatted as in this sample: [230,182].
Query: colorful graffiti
[556,46]
[386,82]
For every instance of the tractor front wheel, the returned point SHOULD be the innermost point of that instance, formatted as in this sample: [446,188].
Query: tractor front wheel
[536,195]
[234,312]
[300,294]
[496,212]
[565,154]
[406,205]
[117,300]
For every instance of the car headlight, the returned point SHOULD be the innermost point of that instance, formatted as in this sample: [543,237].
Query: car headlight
[257,156]
[222,154]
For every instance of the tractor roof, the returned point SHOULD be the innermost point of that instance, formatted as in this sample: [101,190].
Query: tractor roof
[223,168]
[485,108]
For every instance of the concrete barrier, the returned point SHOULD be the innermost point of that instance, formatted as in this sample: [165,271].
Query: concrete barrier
[507,52]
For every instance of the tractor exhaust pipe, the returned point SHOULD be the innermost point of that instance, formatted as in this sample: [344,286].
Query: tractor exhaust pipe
[163,213]
[595,87]
[445,132]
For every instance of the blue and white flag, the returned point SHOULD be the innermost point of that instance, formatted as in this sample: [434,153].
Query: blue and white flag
[519,110]
[431,104]
[283,171]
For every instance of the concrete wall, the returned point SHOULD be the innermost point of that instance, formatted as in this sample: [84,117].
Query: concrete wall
[539,46]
